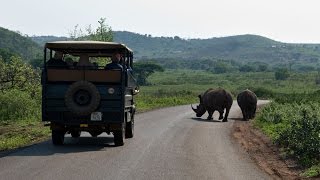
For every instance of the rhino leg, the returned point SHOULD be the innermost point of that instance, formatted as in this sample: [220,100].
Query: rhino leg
[221,114]
[210,115]
[245,114]
[254,112]
[225,119]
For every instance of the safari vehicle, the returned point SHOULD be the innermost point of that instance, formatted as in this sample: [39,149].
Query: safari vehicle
[81,98]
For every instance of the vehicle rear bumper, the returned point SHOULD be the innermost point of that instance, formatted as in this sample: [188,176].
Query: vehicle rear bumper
[104,127]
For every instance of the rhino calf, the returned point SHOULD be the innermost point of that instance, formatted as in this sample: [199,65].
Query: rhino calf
[214,100]
[247,101]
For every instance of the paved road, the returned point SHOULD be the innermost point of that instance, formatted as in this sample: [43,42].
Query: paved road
[169,143]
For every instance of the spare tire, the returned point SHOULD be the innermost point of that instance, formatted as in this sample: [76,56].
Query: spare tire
[82,98]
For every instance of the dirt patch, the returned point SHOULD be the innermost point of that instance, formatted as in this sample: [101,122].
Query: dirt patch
[264,152]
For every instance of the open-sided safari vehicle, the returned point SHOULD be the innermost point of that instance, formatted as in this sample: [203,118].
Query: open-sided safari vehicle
[88,98]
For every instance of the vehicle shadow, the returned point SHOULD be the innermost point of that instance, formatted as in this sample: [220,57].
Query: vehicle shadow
[71,145]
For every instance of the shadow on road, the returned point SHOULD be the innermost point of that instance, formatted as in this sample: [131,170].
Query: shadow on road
[205,120]
[71,145]
[236,119]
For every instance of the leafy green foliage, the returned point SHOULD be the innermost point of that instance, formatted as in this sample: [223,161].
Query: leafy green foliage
[18,75]
[102,33]
[302,138]
[313,171]
[16,105]
[296,127]
[142,70]
[247,68]
[282,74]
[13,43]
[5,55]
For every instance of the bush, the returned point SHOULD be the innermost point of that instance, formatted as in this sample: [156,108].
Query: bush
[18,105]
[282,74]
[295,127]
[302,138]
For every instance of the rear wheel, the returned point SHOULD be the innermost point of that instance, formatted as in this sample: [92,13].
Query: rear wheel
[119,136]
[130,126]
[57,137]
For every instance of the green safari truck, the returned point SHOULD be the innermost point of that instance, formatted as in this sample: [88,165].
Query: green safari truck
[80,94]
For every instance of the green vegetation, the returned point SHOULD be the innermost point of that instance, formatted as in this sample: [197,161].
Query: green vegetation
[102,33]
[13,43]
[293,122]
[142,70]
[20,104]
[288,74]
[245,53]
[281,74]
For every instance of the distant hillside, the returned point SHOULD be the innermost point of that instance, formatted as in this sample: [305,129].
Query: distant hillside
[245,48]
[13,43]
[242,48]
[41,40]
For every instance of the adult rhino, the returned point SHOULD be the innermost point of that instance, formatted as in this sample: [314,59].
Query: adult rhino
[247,100]
[212,100]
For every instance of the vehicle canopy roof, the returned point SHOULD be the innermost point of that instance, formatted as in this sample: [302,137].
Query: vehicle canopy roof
[93,48]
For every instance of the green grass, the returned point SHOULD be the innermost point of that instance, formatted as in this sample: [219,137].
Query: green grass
[20,133]
[313,171]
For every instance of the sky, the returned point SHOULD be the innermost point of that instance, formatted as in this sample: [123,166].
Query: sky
[291,21]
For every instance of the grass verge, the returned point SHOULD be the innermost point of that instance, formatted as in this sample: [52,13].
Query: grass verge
[21,133]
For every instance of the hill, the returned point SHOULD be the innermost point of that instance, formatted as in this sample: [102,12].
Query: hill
[241,49]
[13,43]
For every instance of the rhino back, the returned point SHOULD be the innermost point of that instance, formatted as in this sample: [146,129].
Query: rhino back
[247,97]
[217,99]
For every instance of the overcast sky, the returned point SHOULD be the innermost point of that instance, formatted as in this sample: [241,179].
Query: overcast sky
[283,20]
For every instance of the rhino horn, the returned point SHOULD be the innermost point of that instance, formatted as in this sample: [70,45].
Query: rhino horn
[194,109]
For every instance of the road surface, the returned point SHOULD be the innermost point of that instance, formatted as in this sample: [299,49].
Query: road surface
[169,143]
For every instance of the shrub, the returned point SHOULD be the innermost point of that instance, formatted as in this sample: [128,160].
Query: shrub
[282,74]
[295,127]
[302,138]
[18,105]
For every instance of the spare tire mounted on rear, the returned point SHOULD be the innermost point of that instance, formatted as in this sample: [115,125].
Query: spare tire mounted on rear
[82,98]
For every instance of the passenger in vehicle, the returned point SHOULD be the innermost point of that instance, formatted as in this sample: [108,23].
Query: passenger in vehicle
[115,64]
[95,65]
[84,61]
[57,61]
[70,62]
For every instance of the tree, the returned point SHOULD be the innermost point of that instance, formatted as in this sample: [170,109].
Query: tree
[247,68]
[142,70]
[18,75]
[282,74]
[262,67]
[221,67]
[6,54]
[102,33]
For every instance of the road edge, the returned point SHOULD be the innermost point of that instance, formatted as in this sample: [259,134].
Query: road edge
[263,152]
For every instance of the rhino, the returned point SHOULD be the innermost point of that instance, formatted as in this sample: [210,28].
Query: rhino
[214,100]
[247,101]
